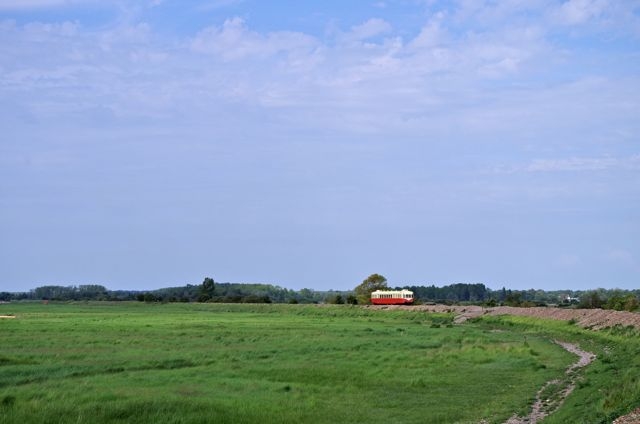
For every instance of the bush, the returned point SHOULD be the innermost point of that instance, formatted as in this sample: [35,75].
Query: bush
[623,303]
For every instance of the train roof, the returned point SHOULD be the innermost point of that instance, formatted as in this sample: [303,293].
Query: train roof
[391,291]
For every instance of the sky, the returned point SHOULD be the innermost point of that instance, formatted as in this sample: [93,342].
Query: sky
[309,144]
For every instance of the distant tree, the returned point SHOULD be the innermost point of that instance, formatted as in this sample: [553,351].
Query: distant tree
[369,285]
[92,292]
[149,297]
[254,298]
[352,300]
[335,299]
[309,296]
[591,300]
[206,290]
[54,293]
[503,295]
[621,302]
[513,298]
[631,303]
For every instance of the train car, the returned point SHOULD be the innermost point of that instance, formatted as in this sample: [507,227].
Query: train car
[392,297]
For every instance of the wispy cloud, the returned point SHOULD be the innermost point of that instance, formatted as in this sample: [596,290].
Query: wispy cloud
[21,5]
[575,164]
[371,28]
[575,12]
[233,40]
[364,119]
[572,164]
[368,75]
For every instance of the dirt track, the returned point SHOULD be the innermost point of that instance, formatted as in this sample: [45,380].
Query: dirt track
[589,318]
[543,407]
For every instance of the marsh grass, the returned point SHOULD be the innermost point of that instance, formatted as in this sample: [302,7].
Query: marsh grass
[191,363]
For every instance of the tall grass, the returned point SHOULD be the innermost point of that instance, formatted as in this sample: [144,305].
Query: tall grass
[606,389]
[190,363]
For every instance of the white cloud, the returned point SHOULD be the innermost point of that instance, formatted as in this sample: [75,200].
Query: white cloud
[38,4]
[431,34]
[574,12]
[371,28]
[367,77]
[233,41]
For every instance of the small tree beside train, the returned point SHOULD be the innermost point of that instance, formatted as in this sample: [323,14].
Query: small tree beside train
[374,290]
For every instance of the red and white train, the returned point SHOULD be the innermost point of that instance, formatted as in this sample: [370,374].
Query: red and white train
[392,297]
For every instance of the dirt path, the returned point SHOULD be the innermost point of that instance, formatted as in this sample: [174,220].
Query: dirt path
[559,389]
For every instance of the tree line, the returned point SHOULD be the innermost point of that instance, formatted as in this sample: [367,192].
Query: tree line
[460,293]
[207,291]
[621,300]
[616,299]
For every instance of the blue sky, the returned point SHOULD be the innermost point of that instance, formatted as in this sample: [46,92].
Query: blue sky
[309,144]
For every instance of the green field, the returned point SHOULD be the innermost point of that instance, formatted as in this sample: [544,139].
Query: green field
[188,363]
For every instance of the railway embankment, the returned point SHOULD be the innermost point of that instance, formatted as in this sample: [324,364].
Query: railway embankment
[588,318]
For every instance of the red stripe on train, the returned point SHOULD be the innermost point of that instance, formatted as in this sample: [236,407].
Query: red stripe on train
[392,301]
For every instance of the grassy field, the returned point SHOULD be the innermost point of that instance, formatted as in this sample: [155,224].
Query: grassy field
[189,363]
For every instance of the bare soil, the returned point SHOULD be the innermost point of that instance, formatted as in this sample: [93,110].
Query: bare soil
[588,318]
[632,418]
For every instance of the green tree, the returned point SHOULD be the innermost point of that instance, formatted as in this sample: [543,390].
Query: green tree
[335,299]
[149,297]
[369,285]
[92,292]
[207,289]
[513,298]
[591,300]
[621,302]
[631,303]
